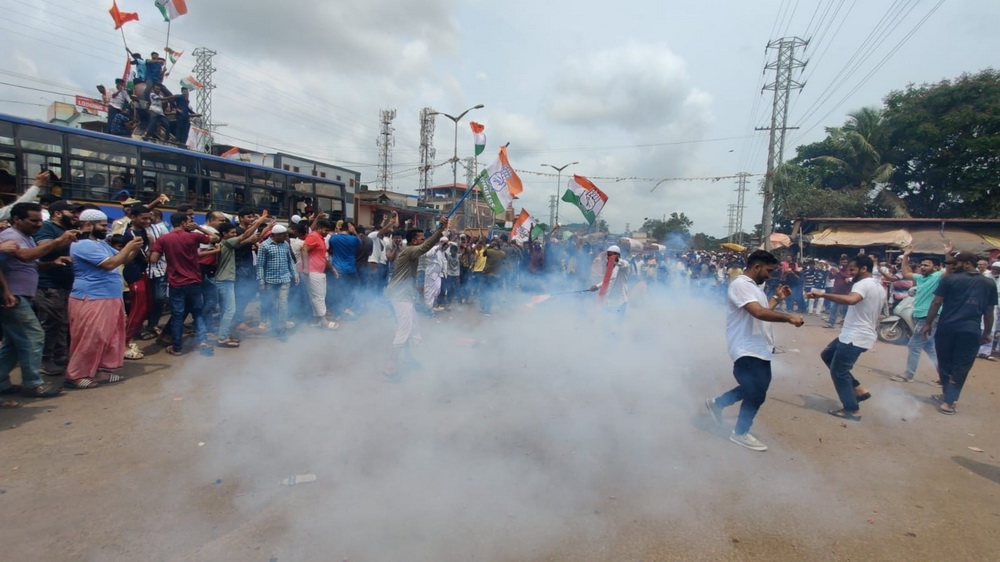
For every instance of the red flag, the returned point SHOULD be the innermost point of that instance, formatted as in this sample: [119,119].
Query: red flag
[120,17]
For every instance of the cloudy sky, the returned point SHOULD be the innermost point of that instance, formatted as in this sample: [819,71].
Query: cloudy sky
[639,89]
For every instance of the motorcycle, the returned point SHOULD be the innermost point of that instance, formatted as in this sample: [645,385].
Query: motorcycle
[898,327]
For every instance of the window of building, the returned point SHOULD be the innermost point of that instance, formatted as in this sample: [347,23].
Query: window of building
[295,169]
[287,167]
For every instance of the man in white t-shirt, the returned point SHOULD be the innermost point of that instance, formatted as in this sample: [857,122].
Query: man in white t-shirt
[747,334]
[865,302]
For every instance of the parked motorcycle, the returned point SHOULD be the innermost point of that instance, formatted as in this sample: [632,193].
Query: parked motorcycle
[898,327]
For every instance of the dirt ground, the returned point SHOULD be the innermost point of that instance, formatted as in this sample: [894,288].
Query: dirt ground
[504,449]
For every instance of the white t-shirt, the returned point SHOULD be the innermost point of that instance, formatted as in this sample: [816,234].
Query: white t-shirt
[746,335]
[861,322]
[378,248]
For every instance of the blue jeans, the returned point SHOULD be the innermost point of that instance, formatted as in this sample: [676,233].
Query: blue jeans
[840,357]
[210,296]
[275,297]
[754,377]
[158,288]
[835,310]
[487,288]
[956,352]
[920,343]
[184,300]
[23,342]
[227,307]
[246,290]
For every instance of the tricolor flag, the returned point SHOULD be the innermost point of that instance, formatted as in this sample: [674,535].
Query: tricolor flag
[499,183]
[231,154]
[172,9]
[120,17]
[585,195]
[172,55]
[525,228]
[478,137]
[191,84]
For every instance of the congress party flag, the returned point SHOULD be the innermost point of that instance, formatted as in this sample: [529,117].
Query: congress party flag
[172,9]
[172,55]
[499,183]
[478,137]
[191,84]
[585,195]
[120,17]
[525,228]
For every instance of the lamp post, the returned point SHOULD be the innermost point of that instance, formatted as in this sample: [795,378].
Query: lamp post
[454,158]
[558,186]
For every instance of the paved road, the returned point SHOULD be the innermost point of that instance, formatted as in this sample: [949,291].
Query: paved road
[542,434]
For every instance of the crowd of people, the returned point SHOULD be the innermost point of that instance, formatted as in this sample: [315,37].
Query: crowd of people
[80,292]
[145,106]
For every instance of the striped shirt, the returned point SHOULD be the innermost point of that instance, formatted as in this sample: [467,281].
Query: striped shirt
[158,269]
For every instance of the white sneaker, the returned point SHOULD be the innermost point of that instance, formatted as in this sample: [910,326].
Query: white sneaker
[289,325]
[714,409]
[747,440]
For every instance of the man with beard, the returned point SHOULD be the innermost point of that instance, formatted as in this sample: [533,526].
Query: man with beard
[23,338]
[55,281]
[864,300]
[748,308]
[137,275]
[96,309]
[926,283]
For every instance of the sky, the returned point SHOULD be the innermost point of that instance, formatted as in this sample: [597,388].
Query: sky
[638,92]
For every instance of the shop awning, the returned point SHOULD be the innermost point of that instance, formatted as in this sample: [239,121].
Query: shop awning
[861,235]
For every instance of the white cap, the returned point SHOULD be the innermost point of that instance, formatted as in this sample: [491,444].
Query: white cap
[995,264]
[296,219]
[444,238]
[93,215]
[614,249]
[279,229]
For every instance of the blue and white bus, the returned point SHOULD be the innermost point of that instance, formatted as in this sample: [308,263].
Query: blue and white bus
[96,168]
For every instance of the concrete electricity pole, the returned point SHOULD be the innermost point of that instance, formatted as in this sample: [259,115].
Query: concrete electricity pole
[741,192]
[783,66]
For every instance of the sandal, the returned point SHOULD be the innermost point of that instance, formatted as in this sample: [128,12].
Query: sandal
[109,378]
[174,352]
[863,396]
[9,404]
[845,415]
[133,353]
[44,390]
[227,343]
[946,409]
[939,398]
[81,384]
[147,336]
[899,378]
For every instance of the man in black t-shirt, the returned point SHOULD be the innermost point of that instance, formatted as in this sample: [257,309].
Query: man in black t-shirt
[965,298]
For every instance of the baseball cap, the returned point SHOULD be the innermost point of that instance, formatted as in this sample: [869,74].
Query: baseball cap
[61,205]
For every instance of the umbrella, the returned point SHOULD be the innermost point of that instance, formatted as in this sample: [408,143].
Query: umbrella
[733,247]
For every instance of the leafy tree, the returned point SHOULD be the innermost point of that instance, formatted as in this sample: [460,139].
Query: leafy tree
[945,143]
[702,241]
[677,225]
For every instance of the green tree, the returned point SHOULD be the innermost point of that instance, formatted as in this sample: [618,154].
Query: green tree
[678,225]
[945,142]
[702,241]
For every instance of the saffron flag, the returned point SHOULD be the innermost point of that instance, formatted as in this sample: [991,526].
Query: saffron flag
[120,17]
[478,137]
[585,195]
[525,228]
[231,154]
[499,183]
[191,84]
[172,55]
[172,9]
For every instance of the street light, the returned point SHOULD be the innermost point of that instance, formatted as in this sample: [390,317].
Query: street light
[454,158]
[558,186]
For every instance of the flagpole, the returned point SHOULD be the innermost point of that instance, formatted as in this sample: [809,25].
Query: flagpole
[124,42]
[168,35]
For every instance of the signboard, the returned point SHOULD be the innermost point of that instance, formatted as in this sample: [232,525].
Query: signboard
[91,104]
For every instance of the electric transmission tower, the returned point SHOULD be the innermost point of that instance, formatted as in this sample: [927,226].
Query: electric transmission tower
[385,142]
[741,192]
[730,221]
[427,152]
[784,66]
[203,71]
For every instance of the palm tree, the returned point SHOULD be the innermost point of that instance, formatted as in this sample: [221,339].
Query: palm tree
[857,147]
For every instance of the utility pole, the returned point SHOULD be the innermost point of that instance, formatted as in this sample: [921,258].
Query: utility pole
[427,153]
[741,192]
[730,221]
[385,142]
[203,71]
[552,210]
[783,66]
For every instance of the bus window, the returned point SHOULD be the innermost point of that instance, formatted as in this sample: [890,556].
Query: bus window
[266,179]
[36,138]
[7,136]
[123,179]
[227,197]
[329,189]
[169,161]
[101,149]
[175,186]
[223,171]
[271,199]
[34,163]
[299,186]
